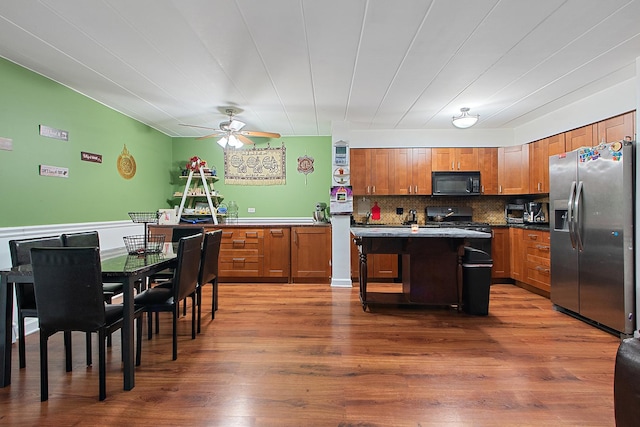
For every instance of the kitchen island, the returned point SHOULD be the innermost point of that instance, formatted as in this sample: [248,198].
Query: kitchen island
[431,263]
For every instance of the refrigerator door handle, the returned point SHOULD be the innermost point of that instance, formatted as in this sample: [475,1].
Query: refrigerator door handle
[570,218]
[578,217]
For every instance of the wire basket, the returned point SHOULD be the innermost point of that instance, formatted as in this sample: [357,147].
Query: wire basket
[144,217]
[138,245]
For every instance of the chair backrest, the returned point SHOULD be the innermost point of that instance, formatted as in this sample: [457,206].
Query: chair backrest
[185,275]
[68,288]
[83,239]
[210,255]
[179,232]
[20,249]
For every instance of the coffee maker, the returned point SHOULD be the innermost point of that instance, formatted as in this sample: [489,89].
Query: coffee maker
[536,213]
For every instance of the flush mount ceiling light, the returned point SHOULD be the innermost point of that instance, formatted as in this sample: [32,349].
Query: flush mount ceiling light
[465,120]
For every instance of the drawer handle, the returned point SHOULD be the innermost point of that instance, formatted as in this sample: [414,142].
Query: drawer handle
[277,232]
[251,234]
[227,234]
[542,269]
[533,236]
[238,243]
[542,247]
[242,260]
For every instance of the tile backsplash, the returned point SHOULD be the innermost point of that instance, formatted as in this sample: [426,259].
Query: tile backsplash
[489,209]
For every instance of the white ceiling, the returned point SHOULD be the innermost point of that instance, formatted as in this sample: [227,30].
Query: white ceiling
[294,66]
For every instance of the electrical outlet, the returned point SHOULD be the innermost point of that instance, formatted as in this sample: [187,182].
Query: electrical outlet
[399,211]
[251,210]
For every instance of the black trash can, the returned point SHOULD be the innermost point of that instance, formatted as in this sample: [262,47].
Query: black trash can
[476,281]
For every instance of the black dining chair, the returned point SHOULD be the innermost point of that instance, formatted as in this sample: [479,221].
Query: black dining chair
[91,239]
[20,251]
[163,277]
[209,271]
[183,285]
[68,292]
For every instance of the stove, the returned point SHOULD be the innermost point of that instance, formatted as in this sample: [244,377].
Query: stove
[459,217]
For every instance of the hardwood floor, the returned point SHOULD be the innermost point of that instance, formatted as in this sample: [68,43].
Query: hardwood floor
[307,355]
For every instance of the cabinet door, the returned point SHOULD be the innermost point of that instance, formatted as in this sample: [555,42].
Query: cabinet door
[517,253]
[382,266]
[311,253]
[539,167]
[421,171]
[556,145]
[402,172]
[379,171]
[616,128]
[277,252]
[500,253]
[358,166]
[581,137]
[513,169]
[466,159]
[442,159]
[488,167]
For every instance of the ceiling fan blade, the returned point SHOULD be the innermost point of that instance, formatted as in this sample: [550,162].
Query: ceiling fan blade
[196,126]
[244,139]
[260,134]
[213,135]
[236,125]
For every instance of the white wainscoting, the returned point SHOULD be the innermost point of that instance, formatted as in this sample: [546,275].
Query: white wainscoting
[111,234]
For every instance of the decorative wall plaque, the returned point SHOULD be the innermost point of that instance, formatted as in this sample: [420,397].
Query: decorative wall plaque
[54,171]
[50,132]
[126,164]
[90,157]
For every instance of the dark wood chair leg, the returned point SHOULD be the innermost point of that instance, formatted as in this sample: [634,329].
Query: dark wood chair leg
[67,352]
[21,346]
[89,358]
[176,310]
[150,324]
[199,302]
[102,364]
[44,371]
[138,340]
[193,316]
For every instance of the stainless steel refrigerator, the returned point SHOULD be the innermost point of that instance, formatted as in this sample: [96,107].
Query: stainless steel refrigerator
[591,198]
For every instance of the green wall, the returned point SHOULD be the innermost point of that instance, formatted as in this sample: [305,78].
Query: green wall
[96,191]
[297,198]
[93,191]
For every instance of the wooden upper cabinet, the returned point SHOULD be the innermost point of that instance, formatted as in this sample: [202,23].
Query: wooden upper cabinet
[454,159]
[539,153]
[581,137]
[411,171]
[488,167]
[539,166]
[556,145]
[513,169]
[370,171]
[616,128]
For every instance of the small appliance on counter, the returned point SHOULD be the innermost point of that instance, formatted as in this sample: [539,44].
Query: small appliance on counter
[536,213]
[514,212]
[320,214]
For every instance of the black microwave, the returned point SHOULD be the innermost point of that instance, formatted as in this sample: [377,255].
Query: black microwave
[455,183]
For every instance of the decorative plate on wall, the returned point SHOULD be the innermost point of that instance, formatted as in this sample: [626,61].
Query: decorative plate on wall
[126,164]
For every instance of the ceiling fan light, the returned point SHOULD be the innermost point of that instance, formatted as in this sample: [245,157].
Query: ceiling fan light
[222,142]
[464,120]
[234,142]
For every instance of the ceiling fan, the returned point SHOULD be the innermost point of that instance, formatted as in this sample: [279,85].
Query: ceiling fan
[231,133]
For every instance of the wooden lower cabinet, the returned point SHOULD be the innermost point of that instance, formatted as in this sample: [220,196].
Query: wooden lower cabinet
[516,249]
[277,252]
[269,253]
[379,266]
[537,268]
[500,251]
[310,254]
[241,253]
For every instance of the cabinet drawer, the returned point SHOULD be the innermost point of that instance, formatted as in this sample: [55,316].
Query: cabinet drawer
[538,250]
[242,233]
[538,274]
[239,266]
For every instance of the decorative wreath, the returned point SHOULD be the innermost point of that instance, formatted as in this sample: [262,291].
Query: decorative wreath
[195,163]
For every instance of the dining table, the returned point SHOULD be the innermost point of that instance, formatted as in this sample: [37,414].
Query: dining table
[128,269]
